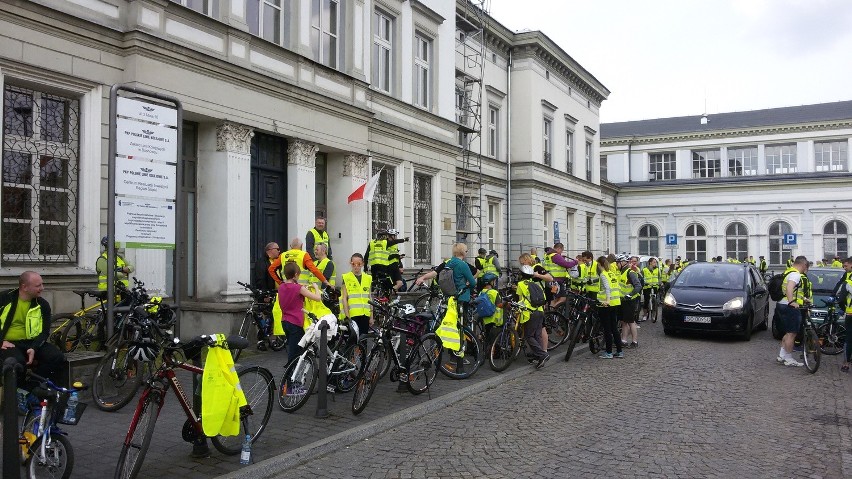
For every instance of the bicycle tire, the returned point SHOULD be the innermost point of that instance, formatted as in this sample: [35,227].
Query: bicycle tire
[427,302]
[810,349]
[576,326]
[595,339]
[57,324]
[368,342]
[456,366]
[245,326]
[502,351]
[366,384]
[558,329]
[655,305]
[294,391]
[113,387]
[59,465]
[353,354]
[139,440]
[70,335]
[258,385]
[422,363]
[832,338]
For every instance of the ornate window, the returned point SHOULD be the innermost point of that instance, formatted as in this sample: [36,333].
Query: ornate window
[422,218]
[736,241]
[835,240]
[41,151]
[696,242]
[383,199]
[777,230]
[649,240]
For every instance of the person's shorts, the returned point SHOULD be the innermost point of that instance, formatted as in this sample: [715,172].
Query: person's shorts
[791,318]
[629,311]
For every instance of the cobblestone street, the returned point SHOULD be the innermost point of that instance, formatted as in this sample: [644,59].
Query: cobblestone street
[675,407]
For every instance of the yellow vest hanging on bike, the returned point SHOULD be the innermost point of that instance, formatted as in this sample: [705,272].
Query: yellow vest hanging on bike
[448,331]
[221,394]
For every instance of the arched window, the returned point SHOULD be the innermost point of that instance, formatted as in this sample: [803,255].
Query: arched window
[777,230]
[649,240]
[835,240]
[696,242]
[736,241]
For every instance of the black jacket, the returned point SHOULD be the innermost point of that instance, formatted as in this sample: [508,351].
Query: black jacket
[11,297]
[262,279]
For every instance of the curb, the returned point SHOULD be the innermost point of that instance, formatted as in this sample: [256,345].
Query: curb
[278,464]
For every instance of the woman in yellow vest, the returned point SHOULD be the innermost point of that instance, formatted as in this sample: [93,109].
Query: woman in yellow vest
[609,303]
[356,294]
[653,277]
[846,291]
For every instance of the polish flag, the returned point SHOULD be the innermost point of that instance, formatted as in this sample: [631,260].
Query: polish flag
[367,190]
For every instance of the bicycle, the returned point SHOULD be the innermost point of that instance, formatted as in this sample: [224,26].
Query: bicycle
[417,370]
[811,350]
[509,340]
[85,327]
[45,448]
[832,331]
[585,325]
[653,304]
[256,382]
[463,363]
[259,315]
[343,364]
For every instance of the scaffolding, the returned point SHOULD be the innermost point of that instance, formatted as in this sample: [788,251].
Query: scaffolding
[471,19]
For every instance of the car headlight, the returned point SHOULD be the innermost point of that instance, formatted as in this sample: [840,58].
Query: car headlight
[669,300]
[734,304]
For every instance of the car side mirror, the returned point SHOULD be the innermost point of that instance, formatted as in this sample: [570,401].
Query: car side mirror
[760,289]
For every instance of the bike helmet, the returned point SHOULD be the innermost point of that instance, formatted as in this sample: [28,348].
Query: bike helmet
[105,241]
[393,232]
[622,257]
[408,310]
[487,278]
[527,270]
[145,349]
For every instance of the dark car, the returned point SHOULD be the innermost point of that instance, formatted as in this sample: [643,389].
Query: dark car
[717,297]
[823,279]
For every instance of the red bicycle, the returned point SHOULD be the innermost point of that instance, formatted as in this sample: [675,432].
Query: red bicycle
[256,382]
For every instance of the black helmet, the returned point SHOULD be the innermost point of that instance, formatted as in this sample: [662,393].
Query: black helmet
[105,241]
[487,278]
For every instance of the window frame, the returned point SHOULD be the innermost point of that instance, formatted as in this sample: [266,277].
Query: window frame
[423,93]
[383,22]
[788,159]
[547,141]
[648,240]
[835,236]
[704,165]
[569,152]
[493,131]
[739,237]
[589,153]
[821,164]
[384,197]
[318,30]
[209,8]
[278,35]
[743,161]
[422,206]
[776,238]
[696,244]
[664,163]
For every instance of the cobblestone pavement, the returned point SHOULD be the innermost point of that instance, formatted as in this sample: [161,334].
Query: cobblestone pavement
[675,407]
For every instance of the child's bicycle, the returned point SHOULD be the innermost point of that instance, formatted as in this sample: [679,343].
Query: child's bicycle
[256,382]
[45,448]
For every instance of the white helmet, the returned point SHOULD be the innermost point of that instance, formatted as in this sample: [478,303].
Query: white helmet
[408,309]
[393,232]
[622,257]
[145,349]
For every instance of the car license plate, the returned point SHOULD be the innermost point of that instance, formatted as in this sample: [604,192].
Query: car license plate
[697,319]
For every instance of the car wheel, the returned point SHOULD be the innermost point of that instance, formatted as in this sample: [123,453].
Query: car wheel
[746,334]
[776,327]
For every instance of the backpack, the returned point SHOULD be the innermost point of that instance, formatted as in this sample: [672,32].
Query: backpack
[484,307]
[776,287]
[447,283]
[537,297]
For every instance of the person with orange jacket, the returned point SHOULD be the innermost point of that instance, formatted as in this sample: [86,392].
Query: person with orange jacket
[302,259]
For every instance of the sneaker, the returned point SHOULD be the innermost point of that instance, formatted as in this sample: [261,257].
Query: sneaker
[541,362]
[780,360]
[623,343]
[619,355]
[634,344]
[792,362]
[644,318]
[605,355]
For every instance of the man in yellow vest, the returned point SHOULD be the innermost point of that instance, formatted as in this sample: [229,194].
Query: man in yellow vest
[631,288]
[795,290]
[836,263]
[843,292]
[652,275]
[25,326]
[302,259]
[317,235]
[356,294]
[378,258]
[122,267]
[486,262]
[325,265]
[559,268]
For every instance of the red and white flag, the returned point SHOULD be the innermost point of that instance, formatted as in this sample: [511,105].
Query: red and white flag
[367,190]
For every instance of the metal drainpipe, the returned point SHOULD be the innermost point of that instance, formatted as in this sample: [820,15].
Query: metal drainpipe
[508,160]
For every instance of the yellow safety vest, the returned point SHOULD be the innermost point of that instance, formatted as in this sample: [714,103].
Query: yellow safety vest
[102,278]
[379,253]
[321,266]
[652,277]
[315,307]
[496,318]
[319,238]
[836,264]
[357,293]
[849,298]
[448,330]
[221,393]
[33,322]
[625,285]
[488,266]
[297,256]
[803,291]
[556,270]
[524,296]
[591,272]
[535,259]
[614,291]
[393,250]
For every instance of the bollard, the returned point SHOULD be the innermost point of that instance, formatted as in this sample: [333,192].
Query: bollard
[322,393]
[11,451]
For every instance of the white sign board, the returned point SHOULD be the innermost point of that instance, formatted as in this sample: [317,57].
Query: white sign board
[140,110]
[144,140]
[145,223]
[145,178]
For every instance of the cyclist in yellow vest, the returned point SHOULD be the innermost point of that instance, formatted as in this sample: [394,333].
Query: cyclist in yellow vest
[631,288]
[325,265]
[378,261]
[559,268]
[590,278]
[836,263]
[608,297]
[795,296]
[295,255]
[533,317]
[843,292]
[653,277]
[486,262]
[356,294]
[122,267]
[317,235]
[25,326]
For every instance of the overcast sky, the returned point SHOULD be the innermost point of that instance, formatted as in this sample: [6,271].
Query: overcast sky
[663,58]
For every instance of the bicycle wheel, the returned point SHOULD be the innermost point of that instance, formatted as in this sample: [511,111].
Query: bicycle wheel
[464,363]
[139,437]
[70,335]
[298,381]
[58,460]
[422,363]
[368,341]
[557,329]
[349,367]
[427,302]
[832,338]
[810,349]
[58,324]
[502,351]
[596,339]
[577,325]
[369,378]
[116,379]
[258,385]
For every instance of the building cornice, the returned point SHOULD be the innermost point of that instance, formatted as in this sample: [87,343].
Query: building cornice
[536,45]
[427,12]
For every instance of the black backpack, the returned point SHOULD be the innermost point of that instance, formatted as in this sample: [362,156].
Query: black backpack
[537,297]
[776,287]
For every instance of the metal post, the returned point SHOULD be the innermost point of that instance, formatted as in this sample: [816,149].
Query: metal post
[322,393]
[11,451]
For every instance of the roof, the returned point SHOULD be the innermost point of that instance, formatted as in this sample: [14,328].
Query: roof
[820,112]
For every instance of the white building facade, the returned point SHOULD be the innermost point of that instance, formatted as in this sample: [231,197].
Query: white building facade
[771,183]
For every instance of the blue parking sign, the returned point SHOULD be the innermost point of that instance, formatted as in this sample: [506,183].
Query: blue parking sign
[671,239]
[790,239]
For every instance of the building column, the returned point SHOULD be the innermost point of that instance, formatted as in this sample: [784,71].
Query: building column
[301,186]
[224,186]
[351,221]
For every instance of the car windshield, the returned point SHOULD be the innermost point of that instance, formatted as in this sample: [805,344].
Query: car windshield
[825,279]
[711,276]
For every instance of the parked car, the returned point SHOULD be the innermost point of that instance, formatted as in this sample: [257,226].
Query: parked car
[823,279]
[717,297]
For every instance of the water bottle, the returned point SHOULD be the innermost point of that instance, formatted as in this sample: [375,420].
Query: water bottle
[71,408]
[245,455]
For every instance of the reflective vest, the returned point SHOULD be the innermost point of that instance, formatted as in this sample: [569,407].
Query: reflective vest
[321,266]
[664,274]
[393,250]
[33,323]
[592,281]
[613,268]
[315,307]
[763,265]
[102,277]
[557,271]
[296,256]
[625,285]
[379,253]
[488,266]
[358,294]
[496,318]
[803,290]
[319,238]
[836,264]
[652,277]
[789,262]
[535,259]
[849,297]
[221,393]
[614,293]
